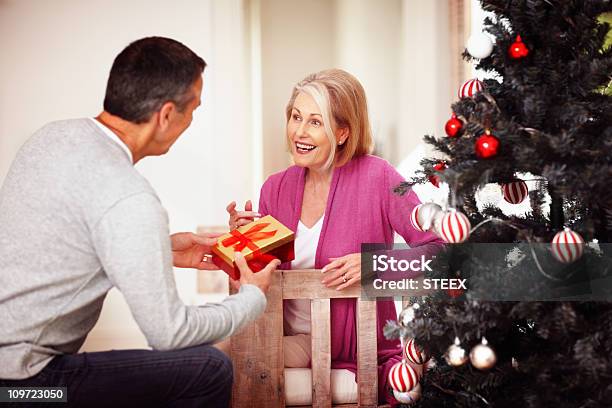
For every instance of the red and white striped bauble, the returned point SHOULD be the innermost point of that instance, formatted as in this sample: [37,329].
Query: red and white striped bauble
[567,246]
[414,354]
[470,88]
[423,215]
[515,192]
[402,377]
[454,227]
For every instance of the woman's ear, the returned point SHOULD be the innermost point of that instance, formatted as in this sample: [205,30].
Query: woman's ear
[341,135]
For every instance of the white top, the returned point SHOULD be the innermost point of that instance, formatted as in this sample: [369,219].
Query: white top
[112,136]
[297,311]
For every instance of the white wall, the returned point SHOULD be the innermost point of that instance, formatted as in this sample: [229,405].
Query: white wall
[297,39]
[398,49]
[368,41]
[425,88]
[55,58]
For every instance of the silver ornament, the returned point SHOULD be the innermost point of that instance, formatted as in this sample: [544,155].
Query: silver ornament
[409,397]
[482,356]
[456,355]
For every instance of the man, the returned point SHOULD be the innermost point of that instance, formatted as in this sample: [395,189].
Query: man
[77,219]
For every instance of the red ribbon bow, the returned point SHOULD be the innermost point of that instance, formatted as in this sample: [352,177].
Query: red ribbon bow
[241,241]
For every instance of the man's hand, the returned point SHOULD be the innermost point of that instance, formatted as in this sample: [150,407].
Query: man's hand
[189,250]
[260,279]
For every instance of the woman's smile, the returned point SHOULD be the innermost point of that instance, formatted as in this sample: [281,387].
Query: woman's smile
[304,148]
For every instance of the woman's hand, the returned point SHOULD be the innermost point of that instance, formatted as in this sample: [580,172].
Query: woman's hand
[342,272]
[240,218]
[191,250]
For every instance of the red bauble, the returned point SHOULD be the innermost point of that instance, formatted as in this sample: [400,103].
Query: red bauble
[433,179]
[453,126]
[518,49]
[454,293]
[486,146]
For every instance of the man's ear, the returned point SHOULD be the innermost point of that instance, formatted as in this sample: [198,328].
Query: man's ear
[166,112]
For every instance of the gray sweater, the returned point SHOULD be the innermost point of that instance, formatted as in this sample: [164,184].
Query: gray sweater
[77,219]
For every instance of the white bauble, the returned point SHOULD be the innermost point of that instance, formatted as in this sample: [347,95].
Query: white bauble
[489,194]
[479,45]
[407,315]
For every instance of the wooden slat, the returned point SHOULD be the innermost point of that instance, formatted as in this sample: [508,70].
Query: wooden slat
[257,350]
[367,367]
[257,355]
[306,284]
[321,353]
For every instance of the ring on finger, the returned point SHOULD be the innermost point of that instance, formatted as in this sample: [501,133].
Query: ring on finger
[344,278]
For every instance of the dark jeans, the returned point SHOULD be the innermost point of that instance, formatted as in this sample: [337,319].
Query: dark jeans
[194,377]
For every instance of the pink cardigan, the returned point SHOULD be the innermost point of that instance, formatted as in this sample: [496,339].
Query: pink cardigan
[361,208]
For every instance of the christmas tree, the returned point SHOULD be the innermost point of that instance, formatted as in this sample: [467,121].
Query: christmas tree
[534,328]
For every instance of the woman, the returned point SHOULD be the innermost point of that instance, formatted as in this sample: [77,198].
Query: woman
[335,197]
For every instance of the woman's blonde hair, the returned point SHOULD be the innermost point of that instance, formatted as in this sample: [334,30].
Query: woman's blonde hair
[343,104]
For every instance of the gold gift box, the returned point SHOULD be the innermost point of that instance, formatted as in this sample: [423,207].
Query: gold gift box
[260,242]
